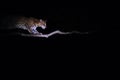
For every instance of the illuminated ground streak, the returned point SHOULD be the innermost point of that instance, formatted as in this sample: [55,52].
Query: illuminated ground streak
[52,33]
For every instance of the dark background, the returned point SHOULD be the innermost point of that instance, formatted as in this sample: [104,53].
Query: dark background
[96,52]
[97,22]
[64,19]
[60,49]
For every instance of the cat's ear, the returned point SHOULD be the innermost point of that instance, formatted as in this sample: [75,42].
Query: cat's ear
[43,20]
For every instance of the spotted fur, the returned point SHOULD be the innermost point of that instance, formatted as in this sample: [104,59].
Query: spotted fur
[30,24]
[26,23]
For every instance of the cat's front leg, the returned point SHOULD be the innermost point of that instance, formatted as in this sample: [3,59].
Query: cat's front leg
[34,31]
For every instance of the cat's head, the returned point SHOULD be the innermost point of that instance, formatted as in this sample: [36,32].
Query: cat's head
[41,24]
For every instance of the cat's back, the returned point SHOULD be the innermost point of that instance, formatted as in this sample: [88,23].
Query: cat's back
[7,22]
